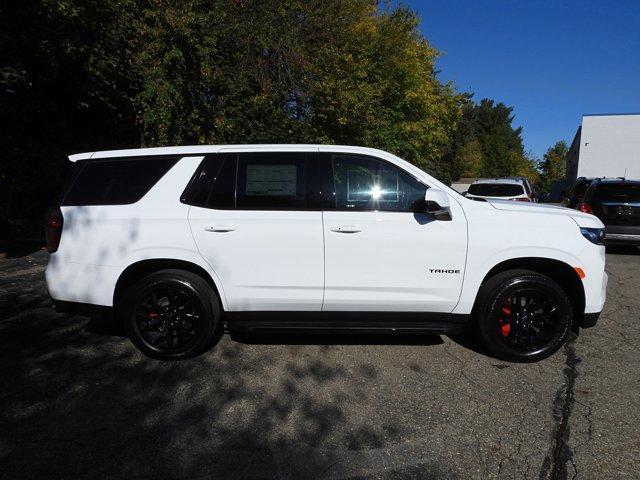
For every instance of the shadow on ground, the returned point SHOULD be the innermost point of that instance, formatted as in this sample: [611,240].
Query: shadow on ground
[78,401]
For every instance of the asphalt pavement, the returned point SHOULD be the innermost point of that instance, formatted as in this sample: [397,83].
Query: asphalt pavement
[77,400]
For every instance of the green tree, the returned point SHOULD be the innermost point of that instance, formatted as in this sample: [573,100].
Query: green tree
[83,75]
[501,143]
[553,165]
[294,71]
[65,86]
[486,143]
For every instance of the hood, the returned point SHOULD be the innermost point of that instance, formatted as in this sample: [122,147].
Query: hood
[582,219]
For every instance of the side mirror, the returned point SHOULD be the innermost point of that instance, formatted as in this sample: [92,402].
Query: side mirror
[437,203]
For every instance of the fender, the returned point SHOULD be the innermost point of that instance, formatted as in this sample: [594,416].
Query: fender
[475,274]
[179,254]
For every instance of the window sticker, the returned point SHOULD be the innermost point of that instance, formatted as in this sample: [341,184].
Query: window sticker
[272,180]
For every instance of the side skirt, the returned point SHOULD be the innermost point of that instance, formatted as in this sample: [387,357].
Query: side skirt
[346,322]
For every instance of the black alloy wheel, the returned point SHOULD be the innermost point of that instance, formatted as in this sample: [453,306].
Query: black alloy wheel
[524,316]
[171,314]
[169,317]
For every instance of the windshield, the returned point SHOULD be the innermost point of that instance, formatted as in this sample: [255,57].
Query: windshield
[496,189]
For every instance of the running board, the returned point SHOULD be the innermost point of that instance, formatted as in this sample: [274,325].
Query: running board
[346,322]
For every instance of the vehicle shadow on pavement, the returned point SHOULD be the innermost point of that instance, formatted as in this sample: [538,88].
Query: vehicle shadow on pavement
[471,342]
[78,401]
[335,339]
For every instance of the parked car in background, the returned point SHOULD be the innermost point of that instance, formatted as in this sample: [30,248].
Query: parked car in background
[616,202]
[517,189]
[532,192]
[573,196]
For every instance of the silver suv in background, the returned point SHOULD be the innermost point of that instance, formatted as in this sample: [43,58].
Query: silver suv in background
[507,188]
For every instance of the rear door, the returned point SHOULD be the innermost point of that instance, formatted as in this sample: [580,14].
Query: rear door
[382,252]
[257,222]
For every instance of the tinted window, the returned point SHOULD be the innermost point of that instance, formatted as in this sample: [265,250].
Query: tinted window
[496,189]
[581,186]
[365,183]
[618,192]
[272,181]
[214,183]
[116,182]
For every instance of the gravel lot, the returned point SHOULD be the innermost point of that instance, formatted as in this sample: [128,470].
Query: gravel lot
[77,400]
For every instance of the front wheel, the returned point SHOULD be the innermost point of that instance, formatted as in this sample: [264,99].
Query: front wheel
[523,316]
[171,314]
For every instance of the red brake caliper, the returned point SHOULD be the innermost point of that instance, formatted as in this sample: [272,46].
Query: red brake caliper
[505,326]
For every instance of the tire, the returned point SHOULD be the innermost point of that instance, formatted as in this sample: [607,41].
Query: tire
[171,315]
[523,316]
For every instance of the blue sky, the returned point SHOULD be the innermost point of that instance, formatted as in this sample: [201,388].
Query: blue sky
[551,60]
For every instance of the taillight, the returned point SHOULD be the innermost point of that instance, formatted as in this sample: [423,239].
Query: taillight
[53,228]
[521,199]
[586,208]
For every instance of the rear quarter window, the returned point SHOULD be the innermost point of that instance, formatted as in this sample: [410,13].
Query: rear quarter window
[119,181]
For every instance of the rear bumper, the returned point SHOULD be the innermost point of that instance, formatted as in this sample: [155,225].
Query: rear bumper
[82,309]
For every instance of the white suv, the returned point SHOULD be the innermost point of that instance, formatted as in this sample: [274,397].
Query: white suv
[508,188]
[183,242]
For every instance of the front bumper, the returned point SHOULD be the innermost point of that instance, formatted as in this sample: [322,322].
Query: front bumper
[622,234]
[622,239]
[590,319]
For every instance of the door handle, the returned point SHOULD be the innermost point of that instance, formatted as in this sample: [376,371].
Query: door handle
[220,228]
[346,228]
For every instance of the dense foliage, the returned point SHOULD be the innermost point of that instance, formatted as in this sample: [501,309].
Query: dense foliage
[553,165]
[487,145]
[84,75]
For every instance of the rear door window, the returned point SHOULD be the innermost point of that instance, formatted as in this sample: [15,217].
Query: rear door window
[272,181]
[496,189]
[119,181]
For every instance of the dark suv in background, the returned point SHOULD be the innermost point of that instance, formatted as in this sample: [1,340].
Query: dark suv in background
[573,196]
[616,202]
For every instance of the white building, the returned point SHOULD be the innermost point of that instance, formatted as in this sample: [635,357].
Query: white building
[606,146]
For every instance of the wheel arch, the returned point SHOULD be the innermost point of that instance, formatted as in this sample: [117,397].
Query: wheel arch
[140,269]
[559,271]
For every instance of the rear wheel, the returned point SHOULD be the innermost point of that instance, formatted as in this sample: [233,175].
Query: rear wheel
[171,314]
[523,315]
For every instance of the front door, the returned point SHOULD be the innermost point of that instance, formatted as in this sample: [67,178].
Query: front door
[382,253]
[259,228]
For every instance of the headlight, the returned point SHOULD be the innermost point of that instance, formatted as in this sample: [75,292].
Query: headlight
[594,235]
